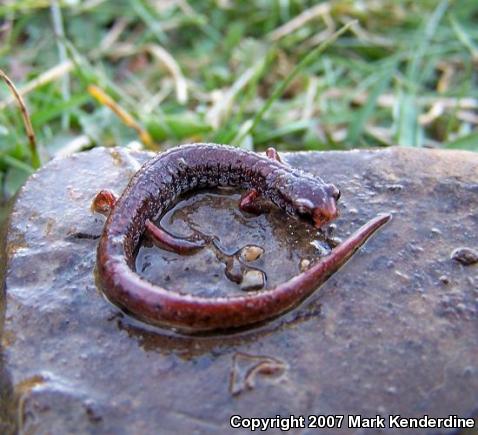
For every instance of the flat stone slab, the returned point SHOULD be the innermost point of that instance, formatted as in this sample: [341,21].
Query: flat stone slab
[395,331]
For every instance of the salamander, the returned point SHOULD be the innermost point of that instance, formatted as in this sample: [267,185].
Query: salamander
[159,184]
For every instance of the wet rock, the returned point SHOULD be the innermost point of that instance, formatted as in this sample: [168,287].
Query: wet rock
[234,270]
[444,279]
[215,215]
[384,334]
[334,241]
[247,368]
[251,253]
[253,279]
[304,264]
[465,256]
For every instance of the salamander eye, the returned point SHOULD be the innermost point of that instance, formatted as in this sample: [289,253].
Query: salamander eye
[334,192]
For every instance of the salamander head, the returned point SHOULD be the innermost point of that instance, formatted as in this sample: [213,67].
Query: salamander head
[316,202]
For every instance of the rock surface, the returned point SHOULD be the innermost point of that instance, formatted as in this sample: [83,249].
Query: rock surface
[395,331]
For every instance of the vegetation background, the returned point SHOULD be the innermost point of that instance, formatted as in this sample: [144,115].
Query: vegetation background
[157,73]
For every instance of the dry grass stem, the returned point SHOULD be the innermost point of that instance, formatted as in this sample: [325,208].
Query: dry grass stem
[300,20]
[26,119]
[170,63]
[48,76]
[103,98]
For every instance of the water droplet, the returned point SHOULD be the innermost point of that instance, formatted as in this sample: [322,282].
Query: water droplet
[251,253]
[304,264]
[253,279]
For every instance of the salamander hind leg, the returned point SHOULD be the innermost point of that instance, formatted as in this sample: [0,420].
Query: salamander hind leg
[172,243]
[272,154]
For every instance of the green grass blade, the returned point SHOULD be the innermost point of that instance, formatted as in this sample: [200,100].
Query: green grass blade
[463,37]
[357,126]
[424,38]
[284,84]
[149,19]
[468,142]
[15,163]
[408,129]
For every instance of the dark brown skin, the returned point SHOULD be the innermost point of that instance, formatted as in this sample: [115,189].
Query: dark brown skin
[157,186]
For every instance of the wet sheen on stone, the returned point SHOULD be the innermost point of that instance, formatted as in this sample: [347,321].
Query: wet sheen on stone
[393,332]
[231,263]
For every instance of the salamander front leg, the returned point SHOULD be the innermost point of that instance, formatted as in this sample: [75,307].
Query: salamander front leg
[249,202]
[103,202]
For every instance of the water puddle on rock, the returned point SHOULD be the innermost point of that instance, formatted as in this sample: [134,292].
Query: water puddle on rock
[245,252]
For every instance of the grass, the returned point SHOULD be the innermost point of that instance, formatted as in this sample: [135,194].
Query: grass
[293,74]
